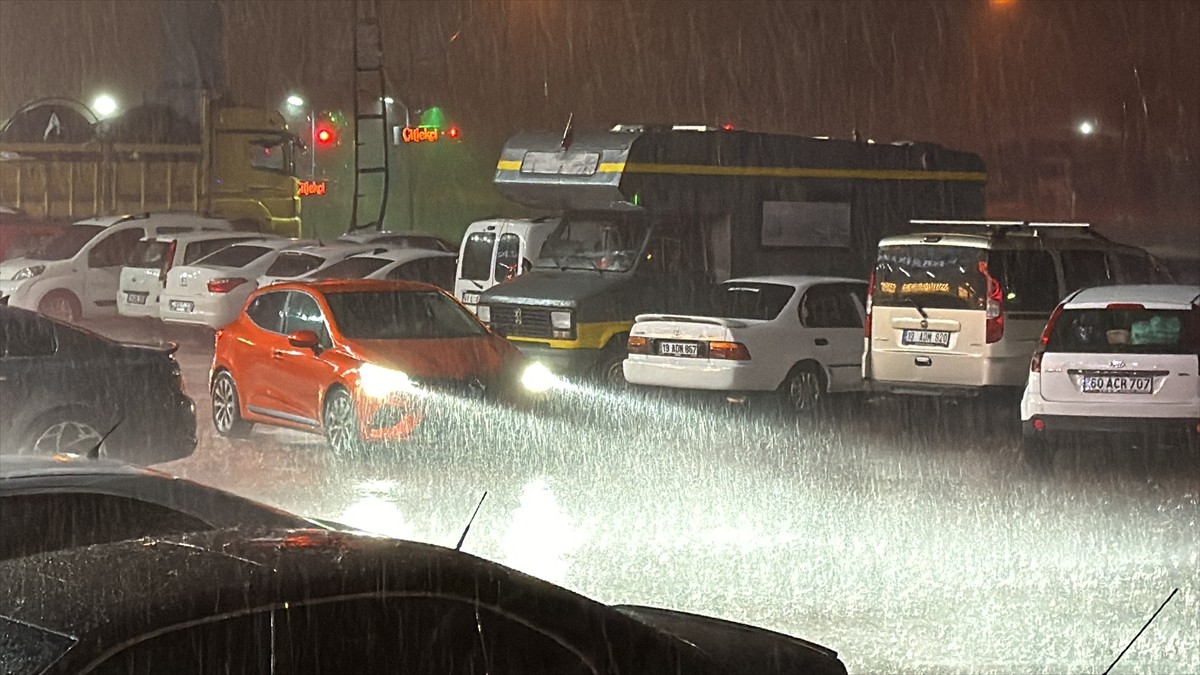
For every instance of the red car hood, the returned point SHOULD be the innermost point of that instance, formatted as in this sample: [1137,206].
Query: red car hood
[444,358]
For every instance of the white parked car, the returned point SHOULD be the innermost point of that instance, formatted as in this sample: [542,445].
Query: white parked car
[76,273]
[211,291]
[430,242]
[144,278]
[800,336]
[299,262]
[1117,361]
[409,264]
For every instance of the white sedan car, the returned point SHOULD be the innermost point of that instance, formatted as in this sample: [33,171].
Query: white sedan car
[211,291]
[800,336]
[1115,363]
[300,262]
[408,264]
[144,278]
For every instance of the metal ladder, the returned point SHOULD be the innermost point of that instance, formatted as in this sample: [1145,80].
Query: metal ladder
[370,112]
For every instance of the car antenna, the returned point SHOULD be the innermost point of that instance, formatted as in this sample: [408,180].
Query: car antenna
[94,452]
[1139,633]
[458,546]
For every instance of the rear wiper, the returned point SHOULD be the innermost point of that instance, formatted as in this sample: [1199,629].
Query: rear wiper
[920,309]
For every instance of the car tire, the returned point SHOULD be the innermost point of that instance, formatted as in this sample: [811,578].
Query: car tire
[610,369]
[1037,453]
[61,305]
[64,431]
[226,408]
[803,390]
[341,423]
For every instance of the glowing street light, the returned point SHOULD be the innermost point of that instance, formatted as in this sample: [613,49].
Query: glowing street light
[104,105]
[389,100]
[1087,127]
[295,101]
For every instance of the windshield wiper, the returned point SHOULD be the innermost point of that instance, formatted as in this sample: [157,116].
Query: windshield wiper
[920,309]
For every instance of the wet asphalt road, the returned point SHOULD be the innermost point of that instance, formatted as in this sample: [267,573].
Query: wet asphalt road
[907,536]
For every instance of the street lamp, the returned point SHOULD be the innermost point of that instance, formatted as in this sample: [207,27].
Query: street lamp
[104,105]
[1087,127]
[295,101]
[296,104]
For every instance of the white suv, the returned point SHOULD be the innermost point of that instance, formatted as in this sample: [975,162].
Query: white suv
[1115,360]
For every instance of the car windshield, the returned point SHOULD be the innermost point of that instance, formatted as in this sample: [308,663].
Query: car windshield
[751,300]
[477,256]
[949,277]
[67,242]
[595,241]
[401,315]
[293,264]
[351,268]
[1126,331]
[234,256]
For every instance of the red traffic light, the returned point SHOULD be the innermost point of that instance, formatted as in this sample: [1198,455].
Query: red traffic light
[324,136]
[452,132]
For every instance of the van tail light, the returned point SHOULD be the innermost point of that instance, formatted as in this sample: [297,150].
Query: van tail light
[994,327]
[1035,366]
[637,345]
[870,295]
[226,284]
[168,261]
[731,351]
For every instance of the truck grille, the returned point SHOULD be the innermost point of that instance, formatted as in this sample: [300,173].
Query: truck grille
[521,321]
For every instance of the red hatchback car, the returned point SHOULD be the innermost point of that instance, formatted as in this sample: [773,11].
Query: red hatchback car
[359,361]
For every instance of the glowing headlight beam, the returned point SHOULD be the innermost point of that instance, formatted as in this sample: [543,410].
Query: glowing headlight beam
[537,378]
[378,382]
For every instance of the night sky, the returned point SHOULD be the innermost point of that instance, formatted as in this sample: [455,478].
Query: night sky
[965,73]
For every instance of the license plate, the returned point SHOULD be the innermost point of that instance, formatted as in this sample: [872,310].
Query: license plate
[1115,384]
[470,298]
[678,349]
[134,298]
[935,338]
[182,305]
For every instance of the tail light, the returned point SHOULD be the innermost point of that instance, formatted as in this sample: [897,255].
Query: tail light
[994,329]
[225,285]
[168,262]
[1035,366]
[870,295]
[732,351]
[637,345]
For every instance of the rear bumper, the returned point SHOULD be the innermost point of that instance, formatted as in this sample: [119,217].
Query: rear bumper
[150,309]
[204,312]
[165,433]
[932,389]
[685,373]
[1082,424]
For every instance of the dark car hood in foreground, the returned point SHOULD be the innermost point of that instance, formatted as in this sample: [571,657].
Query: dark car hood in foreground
[739,648]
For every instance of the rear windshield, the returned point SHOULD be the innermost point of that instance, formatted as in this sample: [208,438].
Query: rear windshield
[351,268]
[1126,331]
[739,300]
[401,315]
[234,256]
[292,264]
[149,254]
[948,277]
[477,256]
[198,249]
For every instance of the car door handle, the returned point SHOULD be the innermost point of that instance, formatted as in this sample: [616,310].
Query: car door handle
[820,342]
[278,353]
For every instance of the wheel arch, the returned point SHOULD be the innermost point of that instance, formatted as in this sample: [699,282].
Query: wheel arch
[809,364]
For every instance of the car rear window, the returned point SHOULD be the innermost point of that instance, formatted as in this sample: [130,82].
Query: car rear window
[477,256]
[743,300]
[1126,331]
[292,264]
[198,249]
[234,256]
[351,268]
[950,277]
[149,254]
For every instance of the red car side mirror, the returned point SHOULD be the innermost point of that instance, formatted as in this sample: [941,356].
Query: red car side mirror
[304,339]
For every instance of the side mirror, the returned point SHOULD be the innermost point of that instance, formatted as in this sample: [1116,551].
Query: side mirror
[304,339]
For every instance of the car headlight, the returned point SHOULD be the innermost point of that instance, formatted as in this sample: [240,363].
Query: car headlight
[28,272]
[537,378]
[484,313]
[561,320]
[378,382]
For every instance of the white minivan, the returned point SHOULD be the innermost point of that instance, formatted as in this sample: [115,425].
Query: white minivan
[958,308]
[76,273]
[493,251]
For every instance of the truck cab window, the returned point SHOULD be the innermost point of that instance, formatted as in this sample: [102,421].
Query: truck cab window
[271,155]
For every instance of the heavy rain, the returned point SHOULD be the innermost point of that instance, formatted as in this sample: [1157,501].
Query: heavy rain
[906,532]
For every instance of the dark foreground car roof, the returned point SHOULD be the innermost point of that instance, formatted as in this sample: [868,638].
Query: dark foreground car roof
[89,602]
